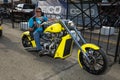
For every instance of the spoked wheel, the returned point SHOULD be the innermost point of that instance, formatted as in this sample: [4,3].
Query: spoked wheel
[98,62]
[26,42]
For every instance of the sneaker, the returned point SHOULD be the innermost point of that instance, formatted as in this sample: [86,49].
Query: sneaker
[40,49]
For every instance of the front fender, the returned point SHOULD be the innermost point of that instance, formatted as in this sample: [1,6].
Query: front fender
[84,46]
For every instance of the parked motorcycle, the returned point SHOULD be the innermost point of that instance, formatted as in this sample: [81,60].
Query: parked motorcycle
[57,41]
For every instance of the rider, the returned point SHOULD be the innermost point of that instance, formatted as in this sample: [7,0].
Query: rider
[33,26]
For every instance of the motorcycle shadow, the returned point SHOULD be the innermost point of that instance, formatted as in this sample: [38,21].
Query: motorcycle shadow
[57,64]
[62,68]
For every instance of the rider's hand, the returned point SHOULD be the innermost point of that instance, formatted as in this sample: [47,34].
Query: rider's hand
[30,29]
[51,19]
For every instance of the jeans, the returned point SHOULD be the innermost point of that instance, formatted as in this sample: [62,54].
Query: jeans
[36,35]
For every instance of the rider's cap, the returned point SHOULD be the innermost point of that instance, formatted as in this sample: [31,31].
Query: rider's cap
[37,8]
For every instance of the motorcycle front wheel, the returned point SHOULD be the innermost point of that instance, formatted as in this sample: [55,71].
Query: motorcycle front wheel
[98,61]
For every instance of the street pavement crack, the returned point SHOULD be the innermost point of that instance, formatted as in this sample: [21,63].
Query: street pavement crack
[47,78]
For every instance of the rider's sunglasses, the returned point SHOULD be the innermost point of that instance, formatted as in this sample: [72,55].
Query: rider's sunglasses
[38,11]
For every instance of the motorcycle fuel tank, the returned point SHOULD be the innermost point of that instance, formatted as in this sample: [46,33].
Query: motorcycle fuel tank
[54,28]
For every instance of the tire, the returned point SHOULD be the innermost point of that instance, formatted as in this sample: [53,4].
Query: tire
[0,33]
[98,59]
[26,42]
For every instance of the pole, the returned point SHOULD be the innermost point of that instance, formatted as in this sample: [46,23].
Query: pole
[12,14]
[67,10]
[117,48]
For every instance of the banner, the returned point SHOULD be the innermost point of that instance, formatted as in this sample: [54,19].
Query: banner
[88,11]
[5,1]
[53,6]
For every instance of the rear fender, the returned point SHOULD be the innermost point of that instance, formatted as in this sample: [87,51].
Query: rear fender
[27,34]
[84,46]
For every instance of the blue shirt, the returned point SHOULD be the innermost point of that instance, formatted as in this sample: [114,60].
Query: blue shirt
[38,21]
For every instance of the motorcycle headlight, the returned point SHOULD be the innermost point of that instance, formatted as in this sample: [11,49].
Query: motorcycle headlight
[70,23]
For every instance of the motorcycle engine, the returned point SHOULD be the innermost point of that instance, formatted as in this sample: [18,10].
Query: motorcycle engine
[50,41]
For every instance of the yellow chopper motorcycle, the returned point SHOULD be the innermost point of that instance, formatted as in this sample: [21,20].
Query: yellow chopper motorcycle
[57,41]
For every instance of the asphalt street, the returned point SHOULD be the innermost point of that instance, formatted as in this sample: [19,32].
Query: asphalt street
[18,64]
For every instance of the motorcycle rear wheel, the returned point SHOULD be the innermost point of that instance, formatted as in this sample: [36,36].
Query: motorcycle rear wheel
[26,42]
[98,64]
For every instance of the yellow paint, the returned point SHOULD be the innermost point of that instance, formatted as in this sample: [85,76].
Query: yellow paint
[33,43]
[84,46]
[54,28]
[60,50]
[0,27]
[27,33]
